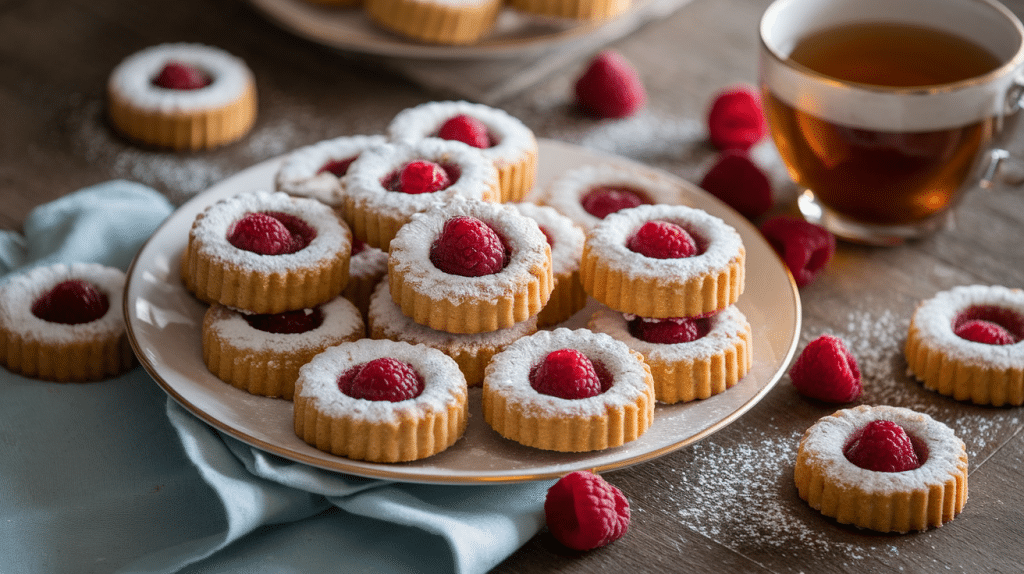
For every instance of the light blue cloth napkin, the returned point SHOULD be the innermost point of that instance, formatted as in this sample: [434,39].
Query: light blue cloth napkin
[114,476]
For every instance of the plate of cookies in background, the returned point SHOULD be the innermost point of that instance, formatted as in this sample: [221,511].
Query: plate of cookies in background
[408,307]
[450,30]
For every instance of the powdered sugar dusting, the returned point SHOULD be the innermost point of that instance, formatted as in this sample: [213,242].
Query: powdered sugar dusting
[410,251]
[608,240]
[444,383]
[210,231]
[513,139]
[567,237]
[508,372]
[132,78]
[300,172]
[341,321]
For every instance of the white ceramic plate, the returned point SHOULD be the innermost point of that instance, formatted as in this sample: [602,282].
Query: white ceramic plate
[515,34]
[164,323]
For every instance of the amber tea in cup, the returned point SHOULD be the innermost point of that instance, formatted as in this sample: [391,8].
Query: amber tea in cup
[886,111]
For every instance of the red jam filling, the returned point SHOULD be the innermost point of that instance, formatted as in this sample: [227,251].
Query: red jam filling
[338,167]
[181,76]
[288,322]
[605,200]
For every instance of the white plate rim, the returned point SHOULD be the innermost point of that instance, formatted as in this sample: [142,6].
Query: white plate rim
[152,266]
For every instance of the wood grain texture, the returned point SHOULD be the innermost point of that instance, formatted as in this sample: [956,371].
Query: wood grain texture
[725,504]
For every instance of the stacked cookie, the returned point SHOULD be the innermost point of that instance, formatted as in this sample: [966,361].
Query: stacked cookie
[670,276]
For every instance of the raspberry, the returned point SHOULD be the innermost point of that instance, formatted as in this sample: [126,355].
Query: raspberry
[569,374]
[736,120]
[584,512]
[737,181]
[670,331]
[179,76]
[468,247]
[71,302]
[289,322]
[662,240]
[882,446]
[826,371]
[805,247]
[338,167]
[467,130]
[420,176]
[604,200]
[981,331]
[610,87]
[383,379]
[271,233]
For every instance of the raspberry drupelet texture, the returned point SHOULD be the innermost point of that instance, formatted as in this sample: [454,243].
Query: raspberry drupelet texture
[736,119]
[805,247]
[468,247]
[467,130]
[583,511]
[662,240]
[882,446]
[826,371]
[383,379]
[610,87]
[569,374]
[738,181]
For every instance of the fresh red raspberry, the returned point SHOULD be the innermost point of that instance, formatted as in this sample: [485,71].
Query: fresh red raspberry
[982,331]
[468,247]
[826,371]
[338,167]
[270,233]
[288,322]
[671,331]
[662,240]
[569,374]
[736,120]
[805,247]
[71,302]
[882,446]
[421,176]
[383,379]
[467,130]
[737,181]
[610,87]
[180,76]
[605,200]
[584,511]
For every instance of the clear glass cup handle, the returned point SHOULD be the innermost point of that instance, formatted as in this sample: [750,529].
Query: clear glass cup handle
[1001,165]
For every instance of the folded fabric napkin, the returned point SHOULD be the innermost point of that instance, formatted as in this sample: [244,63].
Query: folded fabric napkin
[114,476]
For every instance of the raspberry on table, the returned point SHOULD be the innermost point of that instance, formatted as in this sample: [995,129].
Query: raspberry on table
[469,247]
[739,182]
[569,374]
[610,87]
[383,379]
[825,370]
[662,240]
[467,130]
[583,511]
[605,200]
[71,302]
[181,76]
[805,247]
[736,119]
[882,446]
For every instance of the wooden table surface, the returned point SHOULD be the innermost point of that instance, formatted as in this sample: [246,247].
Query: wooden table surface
[725,504]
